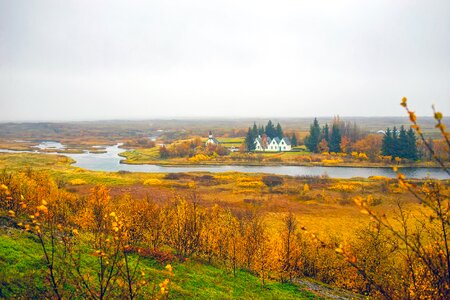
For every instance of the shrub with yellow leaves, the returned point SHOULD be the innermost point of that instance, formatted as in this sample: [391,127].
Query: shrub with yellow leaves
[199,158]
[77,181]
[424,247]
[153,182]
[344,187]
[332,161]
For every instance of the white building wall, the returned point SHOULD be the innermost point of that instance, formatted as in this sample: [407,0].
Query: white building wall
[284,146]
[273,146]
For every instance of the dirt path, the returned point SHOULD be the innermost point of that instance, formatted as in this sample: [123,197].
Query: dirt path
[326,291]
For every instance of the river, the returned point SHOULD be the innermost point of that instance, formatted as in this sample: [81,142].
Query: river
[111,162]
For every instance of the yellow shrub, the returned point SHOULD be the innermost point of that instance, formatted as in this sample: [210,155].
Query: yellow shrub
[305,188]
[363,155]
[153,182]
[223,177]
[191,185]
[332,161]
[343,187]
[77,181]
[245,179]
[250,184]
[199,158]
[378,178]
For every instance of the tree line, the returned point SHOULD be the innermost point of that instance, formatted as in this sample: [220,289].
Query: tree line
[342,137]
[191,148]
[322,140]
[400,143]
[270,130]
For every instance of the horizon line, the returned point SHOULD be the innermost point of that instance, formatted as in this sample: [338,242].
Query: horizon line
[191,118]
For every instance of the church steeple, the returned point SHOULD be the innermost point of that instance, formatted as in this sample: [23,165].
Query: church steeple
[210,134]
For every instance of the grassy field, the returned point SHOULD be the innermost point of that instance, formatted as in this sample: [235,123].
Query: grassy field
[325,208]
[23,275]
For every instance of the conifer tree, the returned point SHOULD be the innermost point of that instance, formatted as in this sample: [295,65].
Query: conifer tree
[412,145]
[294,141]
[402,144]
[325,133]
[250,140]
[394,149]
[335,139]
[255,130]
[270,130]
[261,130]
[313,139]
[386,147]
[279,131]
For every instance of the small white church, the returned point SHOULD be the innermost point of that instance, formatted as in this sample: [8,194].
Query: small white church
[211,140]
[265,143]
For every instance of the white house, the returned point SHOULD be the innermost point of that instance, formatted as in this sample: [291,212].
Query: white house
[285,144]
[261,143]
[211,140]
[272,145]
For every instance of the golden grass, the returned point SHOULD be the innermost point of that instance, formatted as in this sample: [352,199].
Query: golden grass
[326,207]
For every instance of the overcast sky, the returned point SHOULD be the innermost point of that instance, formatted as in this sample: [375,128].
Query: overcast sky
[85,60]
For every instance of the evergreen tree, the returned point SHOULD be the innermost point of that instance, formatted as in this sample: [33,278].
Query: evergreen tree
[402,146]
[261,130]
[313,139]
[279,131]
[394,147]
[412,145]
[255,130]
[335,139]
[250,140]
[325,133]
[270,130]
[294,142]
[400,143]
[386,147]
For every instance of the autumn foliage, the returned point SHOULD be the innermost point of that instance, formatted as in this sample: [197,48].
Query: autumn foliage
[93,245]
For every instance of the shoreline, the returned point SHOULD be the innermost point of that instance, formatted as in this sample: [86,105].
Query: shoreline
[271,164]
[166,163]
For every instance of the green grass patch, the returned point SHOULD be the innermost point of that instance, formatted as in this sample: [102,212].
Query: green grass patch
[22,269]
[141,155]
[232,140]
[20,161]
[201,281]
[23,272]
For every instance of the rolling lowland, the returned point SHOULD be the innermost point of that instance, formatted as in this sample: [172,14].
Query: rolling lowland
[68,232]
